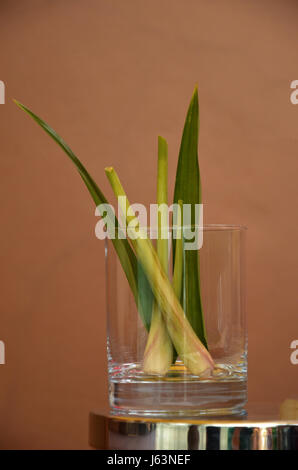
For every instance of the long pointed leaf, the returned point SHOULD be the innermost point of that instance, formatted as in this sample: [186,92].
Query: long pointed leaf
[188,189]
[133,270]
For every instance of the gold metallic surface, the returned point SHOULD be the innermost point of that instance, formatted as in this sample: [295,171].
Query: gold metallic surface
[259,429]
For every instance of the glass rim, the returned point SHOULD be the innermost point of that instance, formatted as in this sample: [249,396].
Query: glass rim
[204,228]
[225,227]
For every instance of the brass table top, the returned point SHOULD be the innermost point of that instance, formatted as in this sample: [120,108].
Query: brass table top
[262,427]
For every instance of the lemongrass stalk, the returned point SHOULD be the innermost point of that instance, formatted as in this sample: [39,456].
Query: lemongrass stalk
[162,198]
[158,355]
[190,349]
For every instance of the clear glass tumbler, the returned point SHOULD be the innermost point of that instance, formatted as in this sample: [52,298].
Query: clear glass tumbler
[220,264]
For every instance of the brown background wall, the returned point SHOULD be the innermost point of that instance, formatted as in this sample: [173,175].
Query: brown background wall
[109,76]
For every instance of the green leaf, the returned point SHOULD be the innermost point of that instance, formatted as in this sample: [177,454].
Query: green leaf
[133,270]
[178,265]
[188,189]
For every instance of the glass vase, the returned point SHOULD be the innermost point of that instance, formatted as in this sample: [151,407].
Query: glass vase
[179,392]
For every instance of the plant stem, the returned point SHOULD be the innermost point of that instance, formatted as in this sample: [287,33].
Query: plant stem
[158,355]
[190,349]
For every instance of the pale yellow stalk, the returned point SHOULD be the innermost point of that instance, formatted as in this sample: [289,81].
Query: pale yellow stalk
[158,355]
